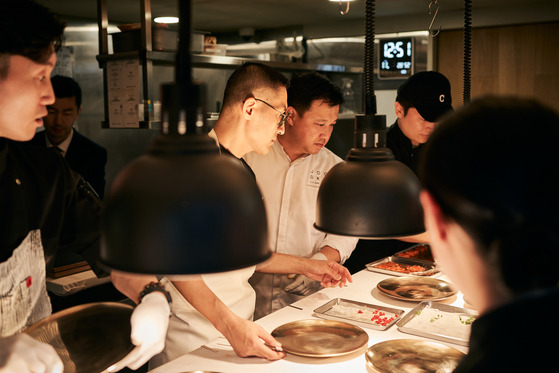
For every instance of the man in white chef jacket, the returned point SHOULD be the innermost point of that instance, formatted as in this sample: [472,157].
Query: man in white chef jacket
[289,177]
[210,306]
[45,206]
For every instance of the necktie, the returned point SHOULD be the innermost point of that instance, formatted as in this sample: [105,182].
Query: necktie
[58,150]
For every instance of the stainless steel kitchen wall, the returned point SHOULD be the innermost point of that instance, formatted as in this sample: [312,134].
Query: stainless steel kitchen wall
[78,60]
[123,145]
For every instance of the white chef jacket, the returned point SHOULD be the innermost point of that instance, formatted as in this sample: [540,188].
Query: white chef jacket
[188,328]
[290,191]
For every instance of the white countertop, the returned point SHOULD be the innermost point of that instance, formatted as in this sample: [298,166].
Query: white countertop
[218,356]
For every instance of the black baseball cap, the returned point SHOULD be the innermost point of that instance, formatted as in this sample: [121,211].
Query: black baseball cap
[428,92]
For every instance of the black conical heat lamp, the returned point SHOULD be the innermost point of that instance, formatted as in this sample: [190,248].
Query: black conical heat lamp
[183,208]
[370,194]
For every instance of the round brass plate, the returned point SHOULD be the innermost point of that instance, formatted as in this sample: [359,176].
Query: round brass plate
[412,356]
[88,338]
[320,338]
[414,288]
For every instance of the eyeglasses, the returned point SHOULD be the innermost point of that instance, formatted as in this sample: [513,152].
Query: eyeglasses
[283,115]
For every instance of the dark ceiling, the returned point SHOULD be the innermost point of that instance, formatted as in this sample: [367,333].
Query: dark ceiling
[318,18]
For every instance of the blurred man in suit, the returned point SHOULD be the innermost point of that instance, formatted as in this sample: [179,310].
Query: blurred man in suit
[83,155]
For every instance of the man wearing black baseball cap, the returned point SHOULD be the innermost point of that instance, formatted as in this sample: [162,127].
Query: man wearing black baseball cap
[420,103]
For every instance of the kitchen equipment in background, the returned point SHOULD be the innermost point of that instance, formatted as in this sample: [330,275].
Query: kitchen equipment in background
[211,47]
[349,106]
[163,39]
[130,38]
[215,49]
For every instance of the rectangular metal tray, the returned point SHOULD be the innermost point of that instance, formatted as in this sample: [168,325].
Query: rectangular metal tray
[419,251]
[441,309]
[431,268]
[327,311]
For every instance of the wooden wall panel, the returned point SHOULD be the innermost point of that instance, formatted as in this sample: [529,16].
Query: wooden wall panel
[513,60]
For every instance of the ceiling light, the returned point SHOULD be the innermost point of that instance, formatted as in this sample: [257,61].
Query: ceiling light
[341,9]
[166,20]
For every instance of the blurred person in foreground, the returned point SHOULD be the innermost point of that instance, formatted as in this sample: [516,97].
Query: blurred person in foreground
[490,180]
[45,206]
[289,177]
[222,305]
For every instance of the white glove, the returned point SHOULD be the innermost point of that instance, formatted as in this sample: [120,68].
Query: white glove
[149,323]
[21,353]
[302,285]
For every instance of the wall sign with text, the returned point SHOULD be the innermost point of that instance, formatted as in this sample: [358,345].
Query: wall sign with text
[396,58]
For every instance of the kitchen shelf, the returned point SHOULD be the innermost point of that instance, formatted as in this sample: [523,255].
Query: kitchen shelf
[148,58]
[216,62]
[155,56]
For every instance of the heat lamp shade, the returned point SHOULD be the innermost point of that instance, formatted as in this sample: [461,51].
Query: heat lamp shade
[190,213]
[372,198]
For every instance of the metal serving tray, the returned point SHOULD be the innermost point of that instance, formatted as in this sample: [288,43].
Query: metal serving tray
[432,328]
[363,319]
[431,268]
[420,251]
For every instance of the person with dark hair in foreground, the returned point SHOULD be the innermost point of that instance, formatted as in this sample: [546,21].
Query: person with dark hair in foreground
[490,180]
[45,206]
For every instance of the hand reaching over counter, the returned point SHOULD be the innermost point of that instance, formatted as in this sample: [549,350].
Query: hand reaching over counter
[318,268]
[246,337]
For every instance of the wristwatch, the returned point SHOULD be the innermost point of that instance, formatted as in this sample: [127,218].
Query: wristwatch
[154,286]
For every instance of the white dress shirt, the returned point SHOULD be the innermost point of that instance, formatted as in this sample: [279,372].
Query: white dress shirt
[63,146]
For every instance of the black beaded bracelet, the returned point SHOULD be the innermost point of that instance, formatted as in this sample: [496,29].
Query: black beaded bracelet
[154,286]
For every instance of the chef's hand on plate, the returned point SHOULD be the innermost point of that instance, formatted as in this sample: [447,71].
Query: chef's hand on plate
[22,354]
[149,322]
[250,339]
